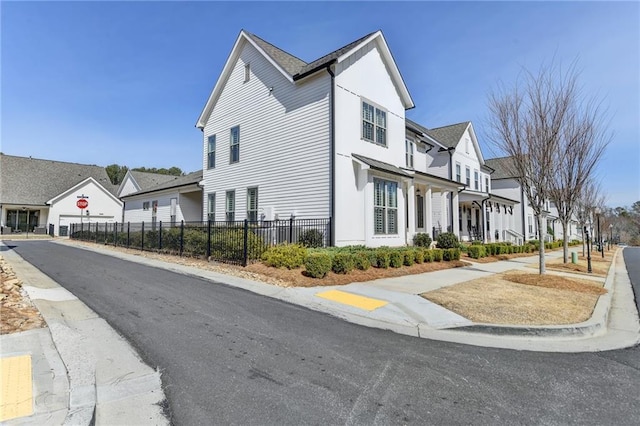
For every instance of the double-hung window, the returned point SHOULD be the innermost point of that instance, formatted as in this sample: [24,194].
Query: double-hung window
[385,206]
[468,176]
[211,152]
[374,124]
[211,207]
[230,206]
[252,204]
[476,180]
[486,184]
[458,173]
[408,147]
[234,152]
[145,205]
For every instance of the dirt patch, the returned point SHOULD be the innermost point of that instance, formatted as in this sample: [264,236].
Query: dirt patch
[17,313]
[518,298]
[599,265]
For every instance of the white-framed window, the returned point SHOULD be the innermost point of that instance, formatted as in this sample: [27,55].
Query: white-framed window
[230,206]
[211,152]
[486,184]
[211,207]
[374,124]
[145,205]
[173,207]
[458,172]
[247,72]
[252,204]
[234,139]
[409,148]
[476,180]
[385,206]
[468,176]
[530,222]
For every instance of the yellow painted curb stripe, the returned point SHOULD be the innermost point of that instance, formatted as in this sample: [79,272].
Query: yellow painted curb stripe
[366,303]
[16,393]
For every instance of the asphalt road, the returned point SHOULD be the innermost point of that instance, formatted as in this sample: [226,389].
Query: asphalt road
[228,356]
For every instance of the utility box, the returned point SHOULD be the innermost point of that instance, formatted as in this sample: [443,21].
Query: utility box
[574,257]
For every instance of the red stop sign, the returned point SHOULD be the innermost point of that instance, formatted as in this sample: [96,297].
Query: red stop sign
[82,203]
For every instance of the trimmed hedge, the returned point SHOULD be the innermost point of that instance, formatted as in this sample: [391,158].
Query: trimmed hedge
[361,261]
[451,254]
[476,251]
[437,254]
[288,256]
[396,258]
[409,257]
[447,240]
[317,264]
[421,240]
[383,258]
[343,263]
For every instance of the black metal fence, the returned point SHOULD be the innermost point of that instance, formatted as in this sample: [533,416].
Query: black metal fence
[239,242]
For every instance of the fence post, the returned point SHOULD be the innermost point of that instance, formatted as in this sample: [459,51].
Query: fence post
[208,239]
[115,234]
[181,236]
[128,234]
[160,237]
[96,232]
[106,229]
[330,235]
[245,251]
[291,230]
[142,240]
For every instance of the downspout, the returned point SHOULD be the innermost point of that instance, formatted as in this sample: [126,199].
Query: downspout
[332,150]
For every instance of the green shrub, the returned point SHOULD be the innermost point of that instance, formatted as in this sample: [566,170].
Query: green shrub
[396,258]
[476,252]
[383,258]
[409,257]
[317,264]
[343,263]
[451,254]
[447,240]
[311,238]
[437,255]
[421,240]
[428,256]
[288,256]
[361,260]
[194,243]
[419,255]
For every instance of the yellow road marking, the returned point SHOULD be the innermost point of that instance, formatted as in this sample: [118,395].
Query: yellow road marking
[16,394]
[366,303]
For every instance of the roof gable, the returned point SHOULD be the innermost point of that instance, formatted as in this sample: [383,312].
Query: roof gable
[80,184]
[32,181]
[503,167]
[173,182]
[295,69]
[450,136]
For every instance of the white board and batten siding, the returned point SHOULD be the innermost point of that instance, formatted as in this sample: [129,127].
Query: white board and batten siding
[364,77]
[284,142]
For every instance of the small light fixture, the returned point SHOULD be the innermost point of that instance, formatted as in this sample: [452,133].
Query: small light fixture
[418,192]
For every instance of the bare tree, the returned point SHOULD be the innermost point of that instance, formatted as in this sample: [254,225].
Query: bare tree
[526,123]
[588,198]
[583,139]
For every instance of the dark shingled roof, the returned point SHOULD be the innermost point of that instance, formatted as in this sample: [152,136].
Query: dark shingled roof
[146,180]
[287,61]
[503,167]
[449,136]
[382,166]
[296,67]
[174,182]
[32,181]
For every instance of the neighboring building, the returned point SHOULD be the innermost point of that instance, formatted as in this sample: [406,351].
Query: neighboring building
[174,199]
[283,138]
[41,195]
[135,181]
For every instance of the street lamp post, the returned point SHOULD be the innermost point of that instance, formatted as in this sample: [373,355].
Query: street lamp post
[586,233]
[597,211]
[610,234]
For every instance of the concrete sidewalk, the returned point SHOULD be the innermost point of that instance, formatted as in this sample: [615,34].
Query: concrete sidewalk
[83,371]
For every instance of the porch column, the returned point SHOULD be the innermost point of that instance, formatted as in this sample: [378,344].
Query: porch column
[428,211]
[456,213]
[444,211]
[411,212]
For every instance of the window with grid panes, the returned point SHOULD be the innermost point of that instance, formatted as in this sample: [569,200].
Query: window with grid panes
[211,207]
[476,180]
[252,204]
[374,124]
[385,205]
[458,173]
[211,152]
[468,176]
[230,206]
[234,151]
[408,147]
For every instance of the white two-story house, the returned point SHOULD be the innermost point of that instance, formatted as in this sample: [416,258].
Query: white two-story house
[285,138]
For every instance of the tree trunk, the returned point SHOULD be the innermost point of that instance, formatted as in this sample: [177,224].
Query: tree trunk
[565,241]
[541,235]
[584,241]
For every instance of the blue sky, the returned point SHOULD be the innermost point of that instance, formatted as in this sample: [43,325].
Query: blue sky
[124,82]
